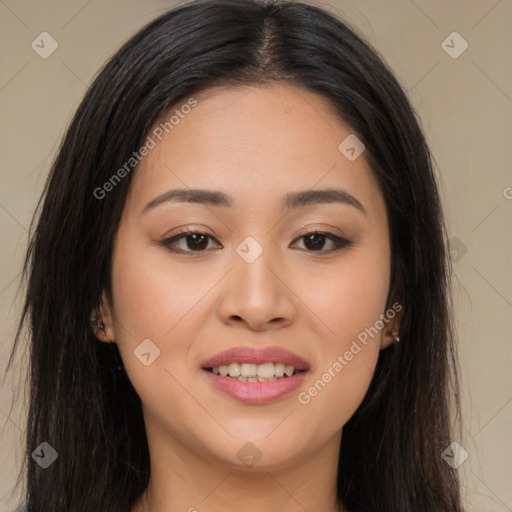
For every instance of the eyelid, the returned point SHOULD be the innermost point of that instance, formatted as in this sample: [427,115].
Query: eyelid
[183,234]
[340,241]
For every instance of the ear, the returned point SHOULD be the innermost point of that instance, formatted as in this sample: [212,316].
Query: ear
[102,323]
[392,323]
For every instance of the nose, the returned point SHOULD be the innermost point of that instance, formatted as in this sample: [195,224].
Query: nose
[258,295]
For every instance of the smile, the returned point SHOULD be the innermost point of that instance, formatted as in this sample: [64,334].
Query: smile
[256,375]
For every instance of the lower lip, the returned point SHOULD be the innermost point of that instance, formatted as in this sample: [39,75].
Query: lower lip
[256,392]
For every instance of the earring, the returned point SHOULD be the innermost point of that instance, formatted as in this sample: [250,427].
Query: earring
[395,333]
[97,326]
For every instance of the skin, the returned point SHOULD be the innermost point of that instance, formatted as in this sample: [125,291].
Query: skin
[255,144]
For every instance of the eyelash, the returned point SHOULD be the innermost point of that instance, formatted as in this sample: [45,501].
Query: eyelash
[340,242]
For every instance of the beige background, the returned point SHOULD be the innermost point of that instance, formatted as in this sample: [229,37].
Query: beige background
[465,105]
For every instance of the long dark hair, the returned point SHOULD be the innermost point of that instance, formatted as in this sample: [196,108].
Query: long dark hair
[81,400]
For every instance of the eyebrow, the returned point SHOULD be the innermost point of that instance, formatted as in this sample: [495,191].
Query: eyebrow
[291,200]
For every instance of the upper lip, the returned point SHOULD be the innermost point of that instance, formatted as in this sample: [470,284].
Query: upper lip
[256,355]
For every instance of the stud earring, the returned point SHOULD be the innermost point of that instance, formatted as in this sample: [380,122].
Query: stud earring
[395,333]
[97,326]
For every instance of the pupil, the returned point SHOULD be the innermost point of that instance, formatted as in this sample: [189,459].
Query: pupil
[315,239]
[195,245]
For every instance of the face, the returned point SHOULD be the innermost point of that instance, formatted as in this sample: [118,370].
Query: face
[252,279]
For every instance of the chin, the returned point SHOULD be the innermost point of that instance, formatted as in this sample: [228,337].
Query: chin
[259,454]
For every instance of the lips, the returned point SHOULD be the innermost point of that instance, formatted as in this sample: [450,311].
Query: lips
[256,390]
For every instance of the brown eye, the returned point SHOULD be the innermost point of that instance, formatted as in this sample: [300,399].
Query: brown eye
[195,241]
[199,241]
[315,241]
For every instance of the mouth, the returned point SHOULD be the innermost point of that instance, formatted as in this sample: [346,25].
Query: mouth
[256,375]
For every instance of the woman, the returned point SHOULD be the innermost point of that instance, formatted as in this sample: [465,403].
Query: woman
[238,282]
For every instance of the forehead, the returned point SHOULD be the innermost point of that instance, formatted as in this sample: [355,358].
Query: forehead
[256,143]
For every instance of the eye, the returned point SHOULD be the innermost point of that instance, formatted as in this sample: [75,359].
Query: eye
[196,241]
[314,241]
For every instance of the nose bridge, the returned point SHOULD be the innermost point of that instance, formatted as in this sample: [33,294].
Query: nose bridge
[256,293]
[255,279]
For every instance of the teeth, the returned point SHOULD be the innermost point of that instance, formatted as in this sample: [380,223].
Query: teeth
[254,372]
[248,370]
[265,370]
[234,370]
[279,370]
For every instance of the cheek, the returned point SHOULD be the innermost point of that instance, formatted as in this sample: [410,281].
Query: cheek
[152,303]
[156,304]
[152,297]
[348,304]
[348,298]
[338,389]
